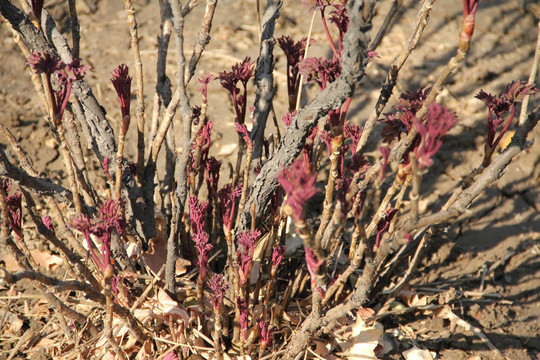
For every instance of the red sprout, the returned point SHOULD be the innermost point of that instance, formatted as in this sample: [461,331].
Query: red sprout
[498,107]
[14,204]
[218,285]
[204,247]
[243,308]
[122,84]
[197,214]
[246,240]
[47,221]
[266,334]
[385,152]
[439,121]
[383,225]
[299,185]
[320,70]
[227,203]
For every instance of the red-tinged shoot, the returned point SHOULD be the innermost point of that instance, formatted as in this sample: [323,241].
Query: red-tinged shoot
[313,264]
[45,63]
[47,221]
[265,333]
[294,52]
[242,130]
[467,27]
[227,204]
[277,257]
[219,286]
[299,185]
[110,216]
[204,81]
[122,84]
[203,246]
[48,64]
[502,110]
[399,121]
[241,73]
[288,117]
[14,205]
[353,132]
[383,225]
[170,356]
[197,214]
[244,317]
[213,167]
[320,71]
[385,152]
[246,241]
[340,18]
[439,121]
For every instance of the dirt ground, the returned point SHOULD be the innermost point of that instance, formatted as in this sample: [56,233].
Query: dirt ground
[501,241]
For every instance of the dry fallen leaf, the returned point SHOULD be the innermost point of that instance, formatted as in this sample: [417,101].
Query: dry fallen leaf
[417,354]
[146,351]
[170,307]
[12,322]
[10,264]
[364,340]
[46,260]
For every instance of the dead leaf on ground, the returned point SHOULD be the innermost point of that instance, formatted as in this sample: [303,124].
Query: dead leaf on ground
[10,264]
[170,307]
[46,260]
[363,341]
[417,354]
[12,322]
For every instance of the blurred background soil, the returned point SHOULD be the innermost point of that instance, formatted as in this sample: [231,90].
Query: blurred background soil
[502,236]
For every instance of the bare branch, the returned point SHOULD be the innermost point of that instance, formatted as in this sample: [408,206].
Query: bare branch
[354,61]
[264,78]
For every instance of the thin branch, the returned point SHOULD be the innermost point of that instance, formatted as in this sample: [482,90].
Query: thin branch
[264,79]
[354,60]
[36,184]
[532,78]
[75,28]
[386,24]
[203,38]
[101,134]
[132,22]
[391,78]
[182,160]
[335,94]
[71,285]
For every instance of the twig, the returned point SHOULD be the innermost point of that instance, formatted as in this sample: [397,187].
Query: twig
[447,313]
[92,113]
[182,160]
[335,150]
[73,258]
[353,64]
[532,78]
[263,78]
[203,38]
[308,41]
[132,22]
[75,29]
[60,286]
[37,184]
[396,4]
[391,78]
[146,291]
[180,94]
[28,334]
